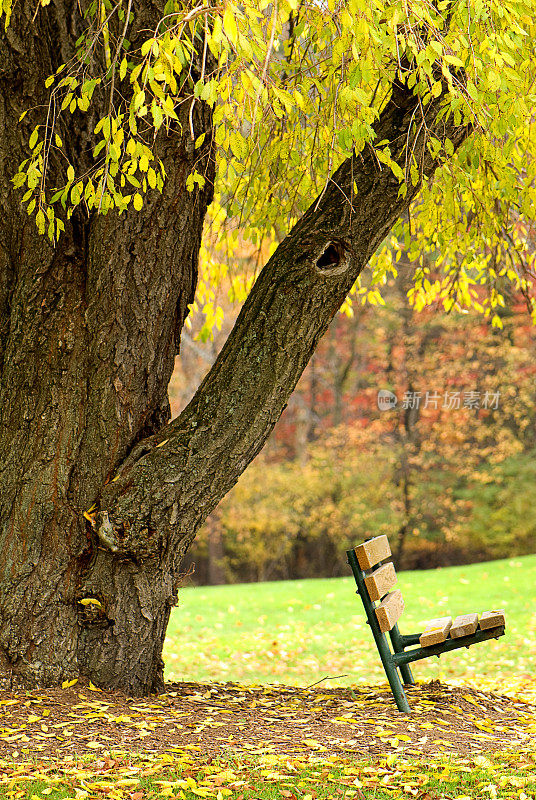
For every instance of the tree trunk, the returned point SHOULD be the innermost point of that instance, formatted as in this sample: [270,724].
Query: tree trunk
[89,333]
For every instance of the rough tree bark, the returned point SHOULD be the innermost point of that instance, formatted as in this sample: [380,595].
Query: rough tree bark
[88,336]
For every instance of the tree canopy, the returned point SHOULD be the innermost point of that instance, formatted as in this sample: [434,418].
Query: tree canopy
[296,87]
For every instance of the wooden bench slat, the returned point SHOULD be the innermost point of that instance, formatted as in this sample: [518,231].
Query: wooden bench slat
[464,625]
[435,631]
[492,619]
[390,610]
[380,581]
[371,552]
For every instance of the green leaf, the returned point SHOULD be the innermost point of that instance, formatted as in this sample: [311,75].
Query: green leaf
[76,193]
[472,90]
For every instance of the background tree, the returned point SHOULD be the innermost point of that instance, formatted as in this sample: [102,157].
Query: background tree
[448,468]
[147,108]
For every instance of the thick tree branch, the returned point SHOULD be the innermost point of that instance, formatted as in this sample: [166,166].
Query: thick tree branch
[171,482]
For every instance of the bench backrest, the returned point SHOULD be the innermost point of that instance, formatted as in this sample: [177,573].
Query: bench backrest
[375,582]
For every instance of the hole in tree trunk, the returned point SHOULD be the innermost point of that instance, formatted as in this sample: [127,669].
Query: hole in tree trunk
[333,260]
[330,257]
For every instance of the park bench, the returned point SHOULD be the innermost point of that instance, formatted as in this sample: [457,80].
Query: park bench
[384,607]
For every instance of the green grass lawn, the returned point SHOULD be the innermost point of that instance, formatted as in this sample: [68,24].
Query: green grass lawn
[298,632]
[508,777]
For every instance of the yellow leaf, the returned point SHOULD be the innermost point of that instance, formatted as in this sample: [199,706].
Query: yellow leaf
[89,601]
[229,25]
[483,727]
[313,744]
[94,688]
[68,684]
[471,700]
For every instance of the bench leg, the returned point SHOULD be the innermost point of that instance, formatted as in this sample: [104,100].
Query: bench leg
[398,647]
[396,686]
[391,672]
[407,676]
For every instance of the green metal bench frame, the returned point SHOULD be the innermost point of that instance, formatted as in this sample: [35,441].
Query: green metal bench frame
[400,658]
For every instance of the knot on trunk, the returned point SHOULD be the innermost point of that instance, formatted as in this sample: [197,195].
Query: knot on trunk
[135,539]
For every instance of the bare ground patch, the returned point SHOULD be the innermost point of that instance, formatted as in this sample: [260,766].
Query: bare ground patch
[219,718]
